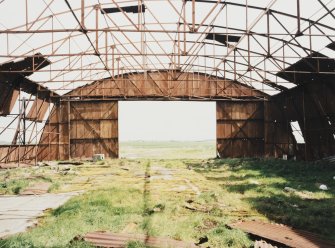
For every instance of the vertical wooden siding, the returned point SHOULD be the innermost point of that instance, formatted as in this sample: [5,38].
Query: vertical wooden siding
[240,129]
[253,129]
[79,130]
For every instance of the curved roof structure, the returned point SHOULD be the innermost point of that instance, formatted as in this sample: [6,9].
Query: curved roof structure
[261,43]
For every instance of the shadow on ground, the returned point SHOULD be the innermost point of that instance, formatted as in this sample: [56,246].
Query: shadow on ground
[261,184]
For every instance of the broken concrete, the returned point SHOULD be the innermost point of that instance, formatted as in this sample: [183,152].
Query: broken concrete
[17,213]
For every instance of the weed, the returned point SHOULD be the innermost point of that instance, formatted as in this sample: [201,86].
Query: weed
[231,190]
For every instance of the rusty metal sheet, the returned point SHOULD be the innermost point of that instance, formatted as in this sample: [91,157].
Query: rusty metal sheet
[118,240]
[283,234]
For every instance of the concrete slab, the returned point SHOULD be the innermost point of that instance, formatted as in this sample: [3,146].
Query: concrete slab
[17,213]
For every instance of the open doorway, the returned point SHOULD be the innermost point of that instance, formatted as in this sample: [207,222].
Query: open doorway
[169,129]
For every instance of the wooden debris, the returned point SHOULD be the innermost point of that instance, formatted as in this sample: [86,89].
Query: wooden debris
[70,163]
[197,207]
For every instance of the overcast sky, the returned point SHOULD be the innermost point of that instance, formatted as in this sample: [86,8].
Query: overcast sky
[167,121]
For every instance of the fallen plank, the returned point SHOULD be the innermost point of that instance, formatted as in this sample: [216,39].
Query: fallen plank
[70,163]
[119,240]
[283,234]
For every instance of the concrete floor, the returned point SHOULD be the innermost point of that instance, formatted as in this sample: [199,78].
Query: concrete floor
[17,213]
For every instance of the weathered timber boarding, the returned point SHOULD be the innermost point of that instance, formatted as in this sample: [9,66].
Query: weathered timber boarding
[79,130]
[8,97]
[18,153]
[250,123]
[253,129]
[278,137]
[313,107]
[240,129]
[38,110]
[166,84]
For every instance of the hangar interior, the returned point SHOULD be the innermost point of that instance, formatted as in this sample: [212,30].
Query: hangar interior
[64,65]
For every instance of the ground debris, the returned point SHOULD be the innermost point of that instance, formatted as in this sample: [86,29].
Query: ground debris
[119,240]
[323,187]
[283,235]
[197,207]
[70,163]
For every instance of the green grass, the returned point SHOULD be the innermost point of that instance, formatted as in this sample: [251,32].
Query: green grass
[120,194]
[261,183]
[168,149]
[13,181]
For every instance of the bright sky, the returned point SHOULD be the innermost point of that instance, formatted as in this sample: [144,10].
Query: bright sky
[167,120]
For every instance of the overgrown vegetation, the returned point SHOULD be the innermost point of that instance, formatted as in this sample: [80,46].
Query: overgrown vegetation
[186,200]
[261,184]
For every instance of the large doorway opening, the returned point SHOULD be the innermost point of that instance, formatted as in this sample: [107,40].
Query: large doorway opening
[167,129]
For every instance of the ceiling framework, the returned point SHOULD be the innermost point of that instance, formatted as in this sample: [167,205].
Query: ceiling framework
[239,40]
[53,49]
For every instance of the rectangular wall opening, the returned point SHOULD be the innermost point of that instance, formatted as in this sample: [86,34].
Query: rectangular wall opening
[167,129]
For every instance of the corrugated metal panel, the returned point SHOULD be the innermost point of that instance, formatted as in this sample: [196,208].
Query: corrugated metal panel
[283,234]
[117,240]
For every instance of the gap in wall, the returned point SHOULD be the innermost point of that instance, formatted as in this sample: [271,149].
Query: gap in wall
[167,129]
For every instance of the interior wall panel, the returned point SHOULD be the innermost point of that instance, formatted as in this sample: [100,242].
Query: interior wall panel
[240,129]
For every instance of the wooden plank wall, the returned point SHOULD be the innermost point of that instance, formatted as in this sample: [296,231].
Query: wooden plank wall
[253,129]
[94,129]
[77,130]
[54,140]
[278,136]
[15,153]
[166,84]
[38,110]
[313,106]
[8,98]
[240,129]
